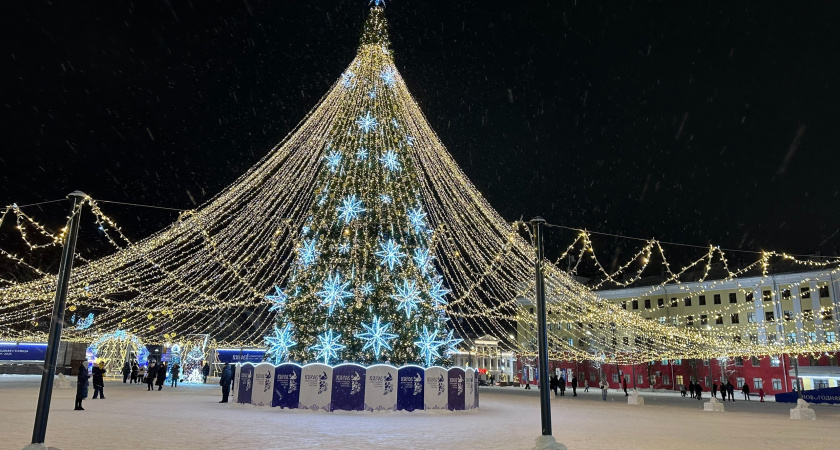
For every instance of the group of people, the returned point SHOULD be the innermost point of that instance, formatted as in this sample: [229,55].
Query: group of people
[727,391]
[555,383]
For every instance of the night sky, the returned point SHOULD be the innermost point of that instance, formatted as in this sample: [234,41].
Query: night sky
[690,123]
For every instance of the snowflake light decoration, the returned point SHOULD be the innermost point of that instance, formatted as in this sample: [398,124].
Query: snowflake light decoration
[422,259]
[367,122]
[328,346]
[367,289]
[450,342]
[437,292]
[333,160]
[376,336]
[308,252]
[351,207]
[395,123]
[362,154]
[429,345]
[83,323]
[389,76]
[417,218]
[408,295]
[390,161]
[348,79]
[278,299]
[409,140]
[390,253]
[344,248]
[377,2]
[279,343]
[334,292]
[385,198]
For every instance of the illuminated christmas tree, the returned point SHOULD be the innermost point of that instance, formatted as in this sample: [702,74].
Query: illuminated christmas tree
[364,286]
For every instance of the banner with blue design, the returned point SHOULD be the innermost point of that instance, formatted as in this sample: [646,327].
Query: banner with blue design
[348,389]
[828,395]
[286,386]
[11,351]
[316,387]
[410,388]
[436,395]
[235,355]
[263,384]
[245,383]
[457,389]
[381,388]
[469,383]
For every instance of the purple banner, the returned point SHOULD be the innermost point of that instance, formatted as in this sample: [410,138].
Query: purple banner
[233,356]
[245,384]
[410,388]
[457,389]
[827,395]
[348,389]
[286,386]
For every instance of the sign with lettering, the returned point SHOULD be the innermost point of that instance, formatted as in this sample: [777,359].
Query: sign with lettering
[286,386]
[381,388]
[470,383]
[316,386]
[436,396]
[829,395]
[348,388]
[235,355]
[245,383]
[410,388]
[457,389]
[11,351]
[263,384]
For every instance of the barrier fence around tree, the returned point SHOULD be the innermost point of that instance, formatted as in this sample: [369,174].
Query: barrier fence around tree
[352,387]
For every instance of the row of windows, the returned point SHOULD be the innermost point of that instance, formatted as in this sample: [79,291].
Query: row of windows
[804,292]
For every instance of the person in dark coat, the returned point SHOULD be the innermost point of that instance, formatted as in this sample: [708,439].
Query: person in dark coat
[574,386]
[624,385]
[176,372]
[714,390]
[205,371]
[135,369]
[552,384]
[730,389]
[746,391]
[699,391]
[126,371]
[81,385]
[225,381]
[691,388]
[99,381]
[151,374]
[562,385]
[161,376]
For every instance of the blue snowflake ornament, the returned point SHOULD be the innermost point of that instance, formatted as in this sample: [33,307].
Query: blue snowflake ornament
[390,161]
[389,252]
[362,154]
[334,292]
[417,218]
[367,122]
[389,76]
[376,336]
[437,292]
[450,342]
[351,207]
[429,345]
[328,346]
[278,300]
[333,160]
[279,343]
[386,199]
[408,296]
[423,259]
[308,252]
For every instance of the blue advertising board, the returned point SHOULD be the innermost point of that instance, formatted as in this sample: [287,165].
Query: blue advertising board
[829,395]
[235,355]
[348,388]
[410,388]
[286,386]
[12,351]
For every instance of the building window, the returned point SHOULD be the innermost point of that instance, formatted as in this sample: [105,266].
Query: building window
[701,300]
[740,382]
[674,302]
[755,361]
[652,378]
[739,361]
[807,314]
[687,301]
[771,338]
[635,304]
[675,321]
[717,299]
[662,321]
[719,319]
[750,297]
[705,362]
[735,318]
[679,379]
[830,337]
[689,321]
[736,338]
[704,319]
[788,315]
[766,295]
[758,383]
[804,292]
[571,342]
[615,378]
[751,317]
[624,304]
[753,339]
[660,302]
[664,362]
[625,340]
[677,362]
[824,291]
[812,337]
[813,361]
[733,298]
[791,338]
[640,379]
[666,379]
[647,303]
[591,376]
[768,316]
[826,315]
[777,384]
[786,294]
[774,361]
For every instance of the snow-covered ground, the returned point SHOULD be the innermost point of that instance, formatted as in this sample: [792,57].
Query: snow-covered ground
[189,417]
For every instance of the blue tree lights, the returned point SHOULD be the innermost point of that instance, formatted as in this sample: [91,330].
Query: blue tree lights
[429,345]
[390,254]
[408,296]
[279,343]
[376,336]
[328,346]
[278,299]
[334,292]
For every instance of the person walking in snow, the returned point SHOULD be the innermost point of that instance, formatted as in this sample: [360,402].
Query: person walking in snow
[746,391]
[151,374]
[525,380]
[135,369]
[604,388]
[225,381]
[205,371]
[161,376]
[691,388]
[585,385]
[176,371]
[699,391]
[624,385]
[761,395]
[99,381]
[81,385]
[730,389]
[126,371]
[562,385]
[574,386]
[714,390]
[552,384]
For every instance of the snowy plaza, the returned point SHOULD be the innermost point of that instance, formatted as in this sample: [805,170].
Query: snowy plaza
[189,416]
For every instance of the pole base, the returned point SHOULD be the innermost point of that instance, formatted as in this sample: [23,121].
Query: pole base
[39,447]
[548,443]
